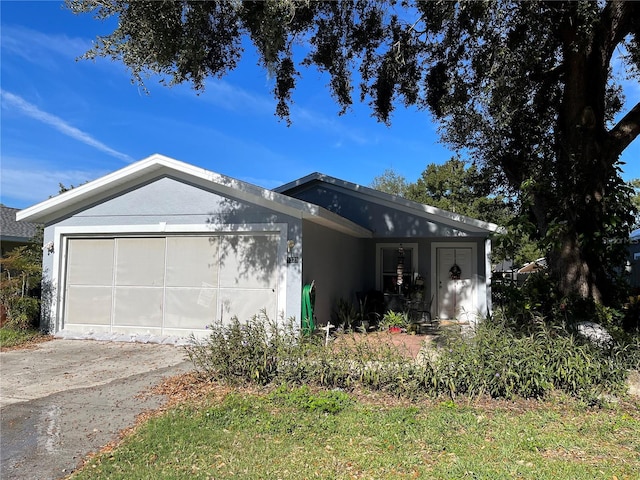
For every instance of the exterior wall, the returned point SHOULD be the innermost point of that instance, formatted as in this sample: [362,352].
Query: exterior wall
[171,206]
[335,262]
[384,222]
[396,226]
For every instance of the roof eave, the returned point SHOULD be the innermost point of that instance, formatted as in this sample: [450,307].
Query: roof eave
[409,206]
[153,165]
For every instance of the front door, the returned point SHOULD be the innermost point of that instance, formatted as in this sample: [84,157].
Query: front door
[454,277]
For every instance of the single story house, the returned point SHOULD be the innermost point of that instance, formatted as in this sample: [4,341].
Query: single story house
[165,248]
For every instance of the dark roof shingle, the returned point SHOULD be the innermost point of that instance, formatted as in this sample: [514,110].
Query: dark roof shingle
[10,229]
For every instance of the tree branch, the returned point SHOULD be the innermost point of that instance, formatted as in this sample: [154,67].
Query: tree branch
[626,130]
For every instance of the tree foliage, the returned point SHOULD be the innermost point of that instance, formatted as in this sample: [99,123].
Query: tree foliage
[525,87]
[391,182]
[461,188]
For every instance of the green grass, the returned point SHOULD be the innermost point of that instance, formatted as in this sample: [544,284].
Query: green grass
[299,434]
[10,337]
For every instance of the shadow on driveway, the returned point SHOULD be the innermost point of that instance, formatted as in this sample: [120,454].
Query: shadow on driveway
[67,398]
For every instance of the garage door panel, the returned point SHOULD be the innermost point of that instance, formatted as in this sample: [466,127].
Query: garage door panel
[190,308]
[90,261]
[244,304]
[248,261]
[140,261]
[140,307]
[88,305]
[169,285]
[192,261]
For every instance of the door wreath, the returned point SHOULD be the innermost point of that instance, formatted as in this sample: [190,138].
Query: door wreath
[455,272]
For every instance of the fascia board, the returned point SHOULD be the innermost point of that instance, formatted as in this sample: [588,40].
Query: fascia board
[301,181]
[157,164]
[282,203]
[84,193]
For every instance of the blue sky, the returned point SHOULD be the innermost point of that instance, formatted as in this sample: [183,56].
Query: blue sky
[68,121]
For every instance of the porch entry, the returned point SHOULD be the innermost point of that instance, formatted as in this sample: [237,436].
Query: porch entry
[454,281]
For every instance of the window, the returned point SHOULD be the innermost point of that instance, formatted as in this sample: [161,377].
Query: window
[394,261]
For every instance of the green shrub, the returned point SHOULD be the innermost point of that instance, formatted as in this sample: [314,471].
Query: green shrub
[504,363]
[347,316]
[20,275]
[242,352]
[10,337]
[496,360]
[22,312]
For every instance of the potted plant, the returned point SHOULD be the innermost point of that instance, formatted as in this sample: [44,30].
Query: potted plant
[395,322]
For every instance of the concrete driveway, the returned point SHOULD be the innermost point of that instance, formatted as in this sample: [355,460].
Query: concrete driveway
[67,398]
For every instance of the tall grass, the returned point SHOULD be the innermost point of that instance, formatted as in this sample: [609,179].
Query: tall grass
[494,360]
[13,337]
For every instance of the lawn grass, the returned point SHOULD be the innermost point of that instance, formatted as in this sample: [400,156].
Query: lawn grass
[11,338]
[298,434]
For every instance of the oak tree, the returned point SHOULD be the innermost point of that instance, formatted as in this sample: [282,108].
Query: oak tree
[525,87]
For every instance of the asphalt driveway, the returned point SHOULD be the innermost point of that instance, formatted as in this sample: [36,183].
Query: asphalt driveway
[66,398]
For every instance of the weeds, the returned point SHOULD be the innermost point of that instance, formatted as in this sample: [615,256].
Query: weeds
[496,360]
[12,337]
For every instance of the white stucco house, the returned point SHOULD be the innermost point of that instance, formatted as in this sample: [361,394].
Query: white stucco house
[162,247]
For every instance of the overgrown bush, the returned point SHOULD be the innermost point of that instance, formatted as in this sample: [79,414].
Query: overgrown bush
[20,276]
[495,360]
[502,362]
[241,352]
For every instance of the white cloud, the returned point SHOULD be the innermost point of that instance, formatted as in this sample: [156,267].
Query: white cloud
[237,99]
[28,185]
[30,110]
[36,47]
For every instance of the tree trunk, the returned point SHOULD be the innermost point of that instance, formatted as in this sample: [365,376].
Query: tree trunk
[586,163]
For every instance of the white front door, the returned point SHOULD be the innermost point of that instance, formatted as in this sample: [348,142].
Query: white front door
[455,288]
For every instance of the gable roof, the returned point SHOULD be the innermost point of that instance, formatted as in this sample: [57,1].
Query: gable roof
[433,214]
[158,165]
[12,230]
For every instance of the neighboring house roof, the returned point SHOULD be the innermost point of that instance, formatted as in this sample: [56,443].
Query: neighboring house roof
[430,213]
[535,266]
[156,166]
[12,230]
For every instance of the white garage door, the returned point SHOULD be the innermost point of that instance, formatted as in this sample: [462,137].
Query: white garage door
[172,285]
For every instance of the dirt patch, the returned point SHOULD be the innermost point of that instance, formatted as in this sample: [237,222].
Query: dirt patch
[408,345]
